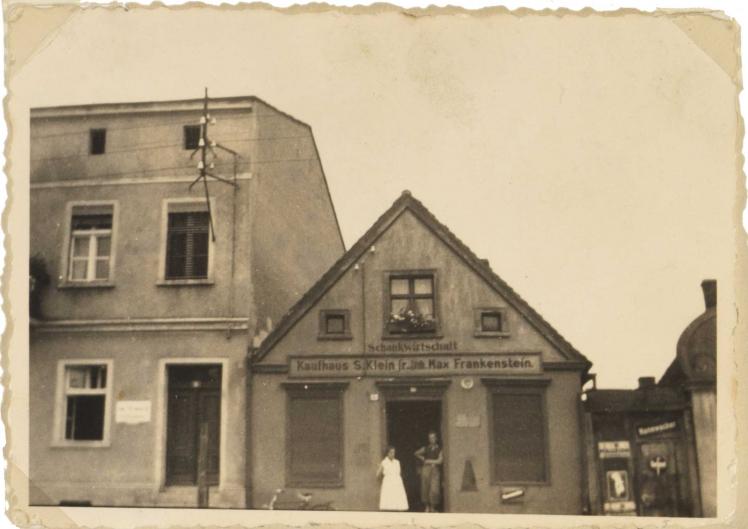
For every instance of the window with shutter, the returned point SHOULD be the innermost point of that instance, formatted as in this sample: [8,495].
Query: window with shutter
[187,245]
[315,437]
[518,437]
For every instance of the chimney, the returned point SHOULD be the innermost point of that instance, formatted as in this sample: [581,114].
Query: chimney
[646,382]
[709,286]
[486,262]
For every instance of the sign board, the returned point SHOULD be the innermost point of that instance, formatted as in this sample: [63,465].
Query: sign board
[465,420]
[614,449]
[132,411]
[654,429]
[415,365]
[620,507]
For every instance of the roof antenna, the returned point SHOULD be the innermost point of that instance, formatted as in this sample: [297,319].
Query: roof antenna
[204,147]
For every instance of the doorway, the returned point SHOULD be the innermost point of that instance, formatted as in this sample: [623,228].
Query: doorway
[408,425]
[194,399]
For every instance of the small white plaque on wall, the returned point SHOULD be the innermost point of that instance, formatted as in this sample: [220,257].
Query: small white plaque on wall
[133,411]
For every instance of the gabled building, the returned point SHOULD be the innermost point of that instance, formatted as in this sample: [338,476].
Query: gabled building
[147,294]
[410,332]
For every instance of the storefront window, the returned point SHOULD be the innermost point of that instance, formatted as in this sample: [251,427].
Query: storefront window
[518,444]
[412,307]
[315,435]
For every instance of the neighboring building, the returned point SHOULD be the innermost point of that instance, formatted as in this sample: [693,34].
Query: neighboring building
[410,332]
[652,450]
[140,336]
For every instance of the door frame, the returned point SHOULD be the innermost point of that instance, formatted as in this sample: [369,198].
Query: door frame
[161,417]
[395,390]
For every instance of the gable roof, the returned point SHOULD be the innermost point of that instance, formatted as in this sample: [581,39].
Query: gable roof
[406,202]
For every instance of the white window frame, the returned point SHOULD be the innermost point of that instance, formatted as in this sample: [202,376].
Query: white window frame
[184,205]
[62,393]
[66,260]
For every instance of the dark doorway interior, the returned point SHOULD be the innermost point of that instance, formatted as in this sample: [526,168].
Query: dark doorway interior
[194,399]
[408,425]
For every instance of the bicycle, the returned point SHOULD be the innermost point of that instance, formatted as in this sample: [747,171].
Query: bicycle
[300,502]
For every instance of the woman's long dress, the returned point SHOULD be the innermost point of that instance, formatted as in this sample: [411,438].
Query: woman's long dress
[392,496]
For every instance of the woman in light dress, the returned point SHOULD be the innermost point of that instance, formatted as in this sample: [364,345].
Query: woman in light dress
[392,495]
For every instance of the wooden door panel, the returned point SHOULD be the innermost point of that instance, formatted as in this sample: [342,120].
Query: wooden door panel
[181,461]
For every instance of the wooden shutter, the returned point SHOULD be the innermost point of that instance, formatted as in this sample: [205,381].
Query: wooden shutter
[519,444]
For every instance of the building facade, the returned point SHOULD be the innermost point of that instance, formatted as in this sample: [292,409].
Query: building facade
[408,333]
[146,294]
[652,451]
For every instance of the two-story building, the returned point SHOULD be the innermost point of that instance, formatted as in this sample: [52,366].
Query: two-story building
[410,332]
[148,293]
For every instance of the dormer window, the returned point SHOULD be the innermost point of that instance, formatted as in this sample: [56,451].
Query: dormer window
[412,306]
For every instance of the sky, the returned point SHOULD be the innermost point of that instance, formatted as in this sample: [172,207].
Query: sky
[590,159]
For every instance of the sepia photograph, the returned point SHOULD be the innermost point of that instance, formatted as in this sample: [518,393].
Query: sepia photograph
[373,261]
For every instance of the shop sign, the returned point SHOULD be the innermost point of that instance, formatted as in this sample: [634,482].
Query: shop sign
[619,507]
[132,411]
[653,429]
[415,365]
[658,464]
[618,485]
[412,347]
[614,449]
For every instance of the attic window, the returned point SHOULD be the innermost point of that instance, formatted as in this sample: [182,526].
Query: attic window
[490,322]
[334,325]
[191,137]
[97,143]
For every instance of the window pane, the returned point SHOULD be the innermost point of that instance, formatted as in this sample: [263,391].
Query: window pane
[191,137]
[490,321]
[98,141]
[80,268]
[425,307]
[519,440]
[102,246]
[399,306]
[315,439]
[399,287]
[85,418]
[77,376]
[424,285]
[92,221]
[102,268]
[334,324]
[80,246]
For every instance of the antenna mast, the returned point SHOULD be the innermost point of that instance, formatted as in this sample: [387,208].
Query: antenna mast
[207,147]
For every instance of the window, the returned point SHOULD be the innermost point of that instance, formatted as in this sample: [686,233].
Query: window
[90,256]
[518,433]
[490,322]
[334,325]
[412,307]
[187,245]
[191,137]
[315,435]
[97,144]
[85,401]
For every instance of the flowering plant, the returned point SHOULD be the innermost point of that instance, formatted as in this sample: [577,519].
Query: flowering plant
[407,320]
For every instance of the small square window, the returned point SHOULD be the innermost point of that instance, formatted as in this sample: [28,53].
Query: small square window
[191,137]
[334,324]
[490,322]
[98,141]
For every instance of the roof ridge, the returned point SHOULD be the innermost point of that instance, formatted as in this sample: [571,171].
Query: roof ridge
[407,201]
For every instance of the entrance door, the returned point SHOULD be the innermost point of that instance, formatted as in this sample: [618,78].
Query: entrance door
[659,479]
[408,425]
[194,398]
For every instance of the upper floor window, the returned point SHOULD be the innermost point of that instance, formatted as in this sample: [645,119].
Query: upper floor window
[187,245]
[191,137]
[97,144]
[90,243]
[412,306]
